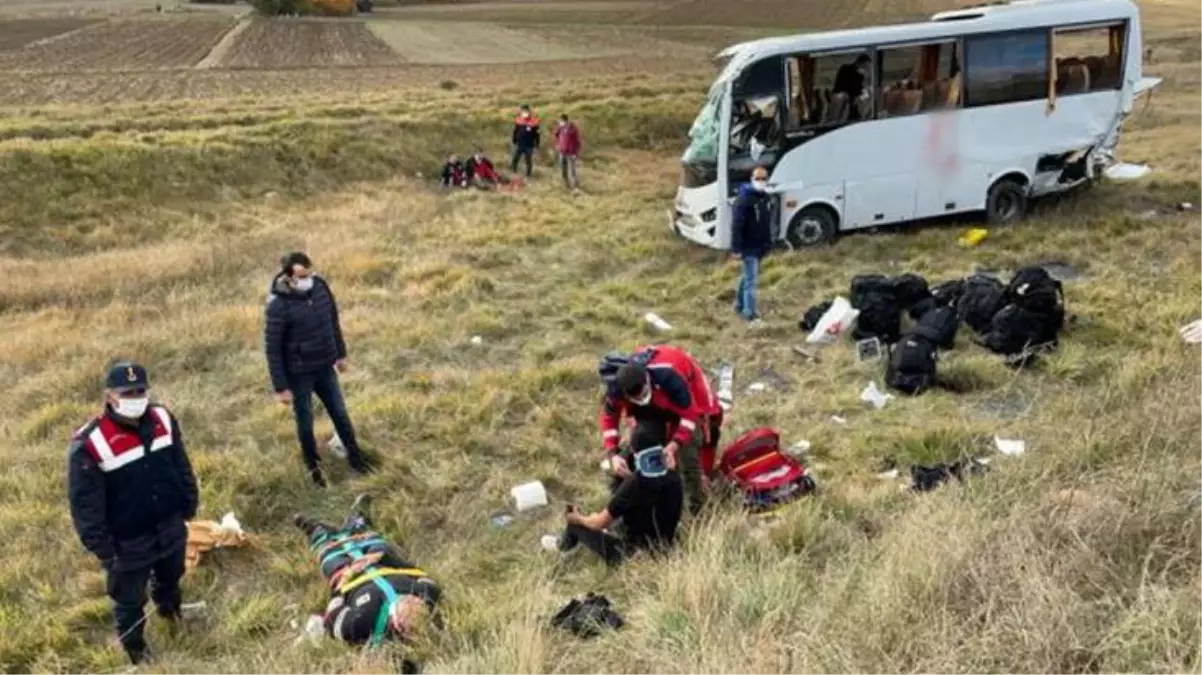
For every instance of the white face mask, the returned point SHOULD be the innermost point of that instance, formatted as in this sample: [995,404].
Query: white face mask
[644,397]
[131,408]
[304,284]
[760,185]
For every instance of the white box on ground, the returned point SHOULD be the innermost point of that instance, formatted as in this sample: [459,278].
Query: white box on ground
[529,496]
[655,320]
[1008,446]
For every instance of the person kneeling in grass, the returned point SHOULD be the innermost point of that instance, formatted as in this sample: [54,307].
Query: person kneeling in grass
[648,502]
[375,592]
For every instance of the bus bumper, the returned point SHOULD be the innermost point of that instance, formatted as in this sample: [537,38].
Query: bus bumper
[692,221]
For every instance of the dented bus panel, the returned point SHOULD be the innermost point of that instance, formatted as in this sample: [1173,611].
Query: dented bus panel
[979,109]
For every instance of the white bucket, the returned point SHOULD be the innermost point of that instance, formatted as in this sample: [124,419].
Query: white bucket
[529,496]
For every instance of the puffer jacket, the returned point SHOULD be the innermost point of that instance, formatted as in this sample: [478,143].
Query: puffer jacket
[302,332]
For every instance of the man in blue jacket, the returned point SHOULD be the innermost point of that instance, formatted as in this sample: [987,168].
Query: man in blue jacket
[303,341]
[750,239]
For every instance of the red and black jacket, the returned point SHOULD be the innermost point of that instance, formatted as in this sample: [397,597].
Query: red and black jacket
[680,396]
[131,488]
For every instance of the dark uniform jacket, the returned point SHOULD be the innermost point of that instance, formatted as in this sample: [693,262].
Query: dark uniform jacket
[302,334]
[131,489]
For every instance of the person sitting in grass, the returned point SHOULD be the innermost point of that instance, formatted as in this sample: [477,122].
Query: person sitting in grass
[648,502]
[453,173]
[376,593]
[481,172]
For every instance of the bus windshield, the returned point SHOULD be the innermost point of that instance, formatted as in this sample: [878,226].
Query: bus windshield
[703,135]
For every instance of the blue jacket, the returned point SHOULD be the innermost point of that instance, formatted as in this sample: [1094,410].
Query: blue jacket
[751,227]
[303,334]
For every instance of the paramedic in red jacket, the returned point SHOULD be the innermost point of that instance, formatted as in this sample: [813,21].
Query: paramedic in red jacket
[663,384]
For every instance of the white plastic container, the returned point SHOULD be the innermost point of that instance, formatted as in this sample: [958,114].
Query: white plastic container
[655,320]
[529,496]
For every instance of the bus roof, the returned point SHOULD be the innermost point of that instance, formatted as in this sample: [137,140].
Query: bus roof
[1015,15]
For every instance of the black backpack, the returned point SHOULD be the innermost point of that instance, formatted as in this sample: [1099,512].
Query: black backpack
[947,294]
[980,299]
[939,326]
[911,365]
[910,289]
[1016,329]
[586,618]
[920,308]
[863,285]
[1033,289]
[879,317]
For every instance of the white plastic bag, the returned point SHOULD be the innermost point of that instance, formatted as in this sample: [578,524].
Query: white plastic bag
[835,322]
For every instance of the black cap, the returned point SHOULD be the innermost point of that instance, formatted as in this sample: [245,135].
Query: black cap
[126,375]
[631,379]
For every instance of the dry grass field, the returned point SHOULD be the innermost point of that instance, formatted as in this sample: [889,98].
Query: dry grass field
[147,200]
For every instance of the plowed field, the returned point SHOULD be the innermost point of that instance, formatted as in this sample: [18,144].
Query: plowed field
[811,14]
[127,44]
[16,33]
[300,43]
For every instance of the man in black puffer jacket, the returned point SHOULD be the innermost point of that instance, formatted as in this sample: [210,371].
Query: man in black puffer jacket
[132,490]
[304,345]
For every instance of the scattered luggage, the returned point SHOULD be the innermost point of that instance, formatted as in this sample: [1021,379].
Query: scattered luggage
[880,315]
[980,298]
[939,326]
[911,366]
[809,320]
[765,475]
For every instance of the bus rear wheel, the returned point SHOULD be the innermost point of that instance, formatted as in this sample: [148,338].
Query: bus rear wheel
[1006,203]
[812,226]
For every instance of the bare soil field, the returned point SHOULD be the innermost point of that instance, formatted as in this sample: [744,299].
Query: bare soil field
[530,11]
[24,90]
[16,33]
[813,14]
[307,43]
[124,44]
[464,43]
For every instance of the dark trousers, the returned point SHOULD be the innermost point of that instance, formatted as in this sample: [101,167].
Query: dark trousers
[127,589]
[519,153]
[325,384]
[611,549]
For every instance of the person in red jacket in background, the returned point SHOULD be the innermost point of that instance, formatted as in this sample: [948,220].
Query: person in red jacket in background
[567,143]
[663,384]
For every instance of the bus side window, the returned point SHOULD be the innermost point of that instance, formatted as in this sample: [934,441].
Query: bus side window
[1006,68]
[918,78]
[1089,59]
[829,90]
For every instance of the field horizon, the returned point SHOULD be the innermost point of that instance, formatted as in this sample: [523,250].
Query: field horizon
[158,164]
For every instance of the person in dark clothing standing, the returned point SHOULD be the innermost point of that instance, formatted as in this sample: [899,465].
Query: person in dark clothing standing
[526,137]
[852,79]
[303,341]
[751,239]
[649,502]
[132,490]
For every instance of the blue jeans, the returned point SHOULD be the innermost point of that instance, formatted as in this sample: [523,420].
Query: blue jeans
[745,291]
[324,383]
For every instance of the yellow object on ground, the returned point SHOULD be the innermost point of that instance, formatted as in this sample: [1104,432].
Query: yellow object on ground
[206,535]
[973,237]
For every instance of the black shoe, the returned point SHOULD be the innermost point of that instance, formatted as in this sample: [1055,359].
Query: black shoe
[318,479]
[359,464]
[137,653]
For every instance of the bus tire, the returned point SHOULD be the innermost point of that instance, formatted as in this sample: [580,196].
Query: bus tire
[1006,203]
[812,226]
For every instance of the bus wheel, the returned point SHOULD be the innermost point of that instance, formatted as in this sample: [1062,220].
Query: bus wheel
[1006,203]
[811,226]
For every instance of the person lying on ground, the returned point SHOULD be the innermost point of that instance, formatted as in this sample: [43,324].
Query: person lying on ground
[648,502]
[376,593]
[664,385]
[481,172]
[453,173]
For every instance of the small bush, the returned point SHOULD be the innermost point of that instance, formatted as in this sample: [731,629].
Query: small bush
[304,7]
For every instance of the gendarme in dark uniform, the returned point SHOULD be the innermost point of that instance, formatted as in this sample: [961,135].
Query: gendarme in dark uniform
[132,491]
